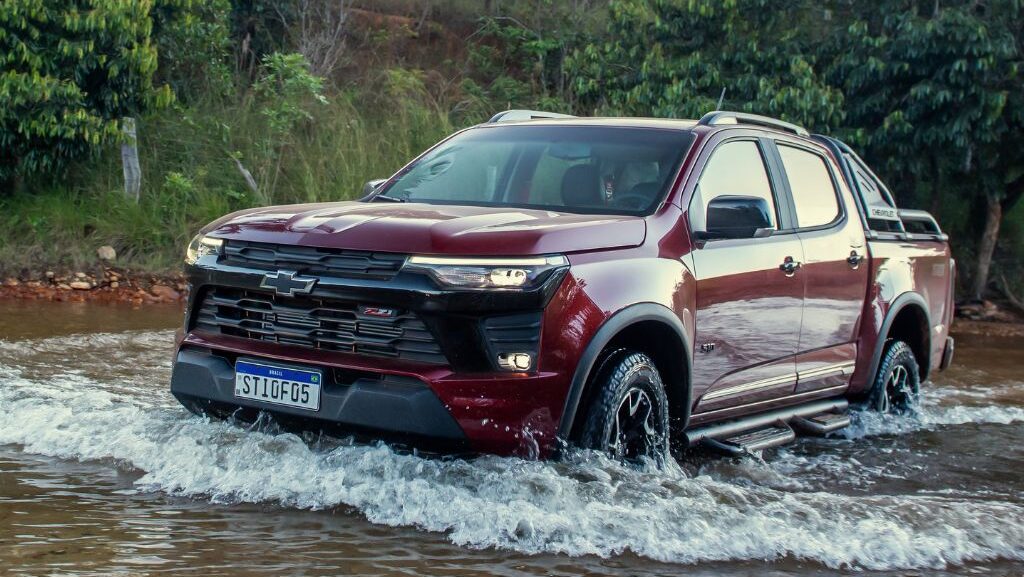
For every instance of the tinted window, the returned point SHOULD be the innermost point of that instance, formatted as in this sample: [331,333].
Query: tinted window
[811,183]
[871,193]
[735,169]
[882,215]
[566,168]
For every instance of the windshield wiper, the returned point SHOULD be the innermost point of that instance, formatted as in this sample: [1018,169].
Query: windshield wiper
[387,198]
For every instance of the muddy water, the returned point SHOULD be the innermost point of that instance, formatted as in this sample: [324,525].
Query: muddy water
[101,473]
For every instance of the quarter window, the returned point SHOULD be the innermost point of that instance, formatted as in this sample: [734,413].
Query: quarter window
[735,169]
[814,193]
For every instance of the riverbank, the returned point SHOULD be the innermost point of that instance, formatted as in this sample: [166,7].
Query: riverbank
[103,285]
[987,328]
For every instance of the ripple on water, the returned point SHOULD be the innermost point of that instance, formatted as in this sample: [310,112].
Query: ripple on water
[587,505]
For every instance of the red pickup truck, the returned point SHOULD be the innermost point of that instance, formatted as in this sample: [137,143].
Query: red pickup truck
[539,281]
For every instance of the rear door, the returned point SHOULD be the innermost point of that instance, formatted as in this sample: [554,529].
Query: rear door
[748,310]
[834,269]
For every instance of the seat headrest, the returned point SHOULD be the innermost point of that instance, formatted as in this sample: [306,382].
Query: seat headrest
[581,186]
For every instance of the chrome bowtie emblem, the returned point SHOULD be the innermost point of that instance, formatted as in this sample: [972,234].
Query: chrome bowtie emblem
[288,283]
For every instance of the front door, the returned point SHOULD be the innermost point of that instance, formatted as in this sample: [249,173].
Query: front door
[749,306]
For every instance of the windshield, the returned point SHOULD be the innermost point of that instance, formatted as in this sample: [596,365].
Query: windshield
[588,169]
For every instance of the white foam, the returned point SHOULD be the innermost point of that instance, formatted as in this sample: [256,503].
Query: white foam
[587,505]
[939,407]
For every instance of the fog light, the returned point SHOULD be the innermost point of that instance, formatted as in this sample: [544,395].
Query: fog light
[515,361]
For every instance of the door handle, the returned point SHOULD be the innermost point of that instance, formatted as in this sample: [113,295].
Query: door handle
[854,259]
[789,266]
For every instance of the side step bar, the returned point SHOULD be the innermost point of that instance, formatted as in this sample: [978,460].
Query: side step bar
[822,424]
[754,441]
[770,426]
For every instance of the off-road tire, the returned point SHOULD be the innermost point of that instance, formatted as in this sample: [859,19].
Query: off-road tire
[628,380]
[898,381]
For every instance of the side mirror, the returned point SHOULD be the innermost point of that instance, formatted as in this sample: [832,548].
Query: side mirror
[371,185]
[737,217]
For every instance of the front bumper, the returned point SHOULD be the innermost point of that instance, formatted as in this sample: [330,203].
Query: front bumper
[420,405]
[395,406]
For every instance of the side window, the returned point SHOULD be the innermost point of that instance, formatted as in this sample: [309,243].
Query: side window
[882,215]
[735,169]
[814,193]
[871,193]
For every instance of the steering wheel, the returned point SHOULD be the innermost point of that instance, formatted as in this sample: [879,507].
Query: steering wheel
[633,200]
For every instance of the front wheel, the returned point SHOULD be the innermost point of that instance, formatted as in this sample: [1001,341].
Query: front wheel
[628,417]
[898,382]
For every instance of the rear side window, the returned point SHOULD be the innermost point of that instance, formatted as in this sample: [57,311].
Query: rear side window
[882,215]
[814,193]
[735,169]
[872,195]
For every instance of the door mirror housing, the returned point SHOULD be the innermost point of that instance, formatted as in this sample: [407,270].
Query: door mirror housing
[737,217]
[371,185]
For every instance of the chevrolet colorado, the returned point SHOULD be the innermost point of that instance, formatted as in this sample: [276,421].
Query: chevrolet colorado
[628,285]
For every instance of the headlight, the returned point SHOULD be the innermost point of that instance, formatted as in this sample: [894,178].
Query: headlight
[202,246]
[489,273]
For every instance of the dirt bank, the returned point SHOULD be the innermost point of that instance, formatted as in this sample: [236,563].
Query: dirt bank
[987,328]
[105,284]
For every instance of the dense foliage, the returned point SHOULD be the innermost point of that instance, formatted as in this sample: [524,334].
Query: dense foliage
[303,100]
[69,70]
[933,92]
[677,59]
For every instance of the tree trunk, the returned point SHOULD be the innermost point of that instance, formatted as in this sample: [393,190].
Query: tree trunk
[130,160]
[987,246]
[936,187]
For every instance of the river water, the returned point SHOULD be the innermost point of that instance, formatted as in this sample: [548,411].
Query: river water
[102,473]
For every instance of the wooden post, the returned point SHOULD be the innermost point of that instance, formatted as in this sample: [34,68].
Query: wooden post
[130,160]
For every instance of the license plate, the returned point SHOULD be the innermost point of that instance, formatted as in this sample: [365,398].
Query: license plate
[278,385]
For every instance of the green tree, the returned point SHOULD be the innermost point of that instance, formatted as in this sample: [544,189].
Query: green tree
[930,90]
[69,70]
[286,94]
[673,58]
[193,43]
[519,58]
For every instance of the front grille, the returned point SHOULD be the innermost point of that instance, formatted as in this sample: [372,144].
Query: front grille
[313,260]
[315,323]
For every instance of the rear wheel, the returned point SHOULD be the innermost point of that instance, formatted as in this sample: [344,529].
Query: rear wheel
[898,382]
[628,417]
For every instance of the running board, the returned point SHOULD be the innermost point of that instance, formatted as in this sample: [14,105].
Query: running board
[772,418]
[822,424]
[753,441]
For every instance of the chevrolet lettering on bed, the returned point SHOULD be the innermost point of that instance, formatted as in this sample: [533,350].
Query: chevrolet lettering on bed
[540,281]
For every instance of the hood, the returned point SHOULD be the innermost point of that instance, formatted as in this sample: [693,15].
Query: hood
[431,229]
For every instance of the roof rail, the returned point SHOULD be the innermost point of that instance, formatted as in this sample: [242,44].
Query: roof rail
[514,115]
[720,117]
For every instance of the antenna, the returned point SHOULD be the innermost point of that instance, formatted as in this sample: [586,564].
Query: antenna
[720,99]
